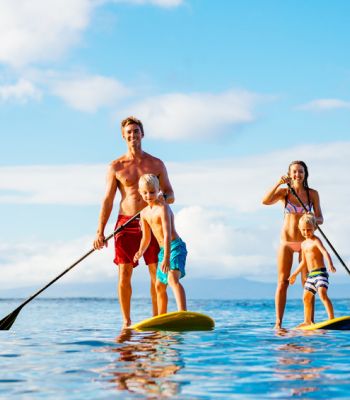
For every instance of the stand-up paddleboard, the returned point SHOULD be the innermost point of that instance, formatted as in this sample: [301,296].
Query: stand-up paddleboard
[341,323]
[177,321]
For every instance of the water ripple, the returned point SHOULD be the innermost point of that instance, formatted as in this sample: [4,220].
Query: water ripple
[65,354]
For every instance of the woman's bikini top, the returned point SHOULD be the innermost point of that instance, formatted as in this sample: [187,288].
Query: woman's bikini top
[290,208]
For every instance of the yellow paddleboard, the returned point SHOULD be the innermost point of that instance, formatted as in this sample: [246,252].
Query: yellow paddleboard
[341,323]
[177,321]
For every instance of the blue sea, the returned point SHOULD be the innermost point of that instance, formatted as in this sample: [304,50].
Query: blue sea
[74,349]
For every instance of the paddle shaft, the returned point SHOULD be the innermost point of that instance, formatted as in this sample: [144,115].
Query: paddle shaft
[319,229]
[18,309]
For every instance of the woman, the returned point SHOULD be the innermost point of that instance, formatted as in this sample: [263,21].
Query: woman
[291,237]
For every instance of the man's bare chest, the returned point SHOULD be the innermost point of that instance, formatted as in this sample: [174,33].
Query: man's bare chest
[130,174]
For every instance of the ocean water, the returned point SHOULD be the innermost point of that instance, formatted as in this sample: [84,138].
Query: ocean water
[74,349]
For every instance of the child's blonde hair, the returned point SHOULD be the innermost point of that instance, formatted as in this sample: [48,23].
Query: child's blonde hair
[149,180]
[308,219]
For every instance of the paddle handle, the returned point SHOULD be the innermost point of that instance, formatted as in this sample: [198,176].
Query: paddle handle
[334,250]
[319,229]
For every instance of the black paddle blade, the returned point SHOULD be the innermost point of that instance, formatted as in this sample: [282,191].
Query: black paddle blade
[7,322]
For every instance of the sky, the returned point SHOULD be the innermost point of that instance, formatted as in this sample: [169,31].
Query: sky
[229,93]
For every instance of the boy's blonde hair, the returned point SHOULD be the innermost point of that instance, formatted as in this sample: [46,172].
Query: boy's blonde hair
[149,180]
[308,219]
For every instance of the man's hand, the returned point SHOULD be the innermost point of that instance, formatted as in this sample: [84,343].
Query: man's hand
[137,256]
[162,198]
[99,242]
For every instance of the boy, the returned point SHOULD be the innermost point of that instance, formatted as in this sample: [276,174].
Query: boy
[312,256]
[158,218]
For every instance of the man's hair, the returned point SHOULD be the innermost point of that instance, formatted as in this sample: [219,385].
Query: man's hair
[131,120]
[150,180]
[308,219]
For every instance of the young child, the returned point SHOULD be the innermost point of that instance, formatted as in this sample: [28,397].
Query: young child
[312,256]
[158,217]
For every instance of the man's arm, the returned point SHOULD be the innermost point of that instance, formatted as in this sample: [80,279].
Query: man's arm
[106,209]
[165,185]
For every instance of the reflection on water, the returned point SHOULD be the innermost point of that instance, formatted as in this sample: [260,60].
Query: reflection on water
[144,362]
[68,349]
[296,364]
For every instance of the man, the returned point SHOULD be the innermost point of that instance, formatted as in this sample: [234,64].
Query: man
[123,174]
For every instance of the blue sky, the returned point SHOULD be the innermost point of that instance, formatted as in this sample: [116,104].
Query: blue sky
[229,93]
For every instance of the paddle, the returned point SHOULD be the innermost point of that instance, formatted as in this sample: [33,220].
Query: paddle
[6,323]
[319,229]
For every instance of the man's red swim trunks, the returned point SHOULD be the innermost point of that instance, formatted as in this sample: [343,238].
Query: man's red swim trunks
[127,242]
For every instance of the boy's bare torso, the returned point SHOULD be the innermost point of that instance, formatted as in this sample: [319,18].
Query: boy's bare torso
[313,256]
[154,217]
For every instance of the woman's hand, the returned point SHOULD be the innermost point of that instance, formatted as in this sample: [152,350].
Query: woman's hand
[285,179]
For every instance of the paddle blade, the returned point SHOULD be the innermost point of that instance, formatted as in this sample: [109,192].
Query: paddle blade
[7,322]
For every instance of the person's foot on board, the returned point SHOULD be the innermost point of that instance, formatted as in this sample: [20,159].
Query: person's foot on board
[126,324]
[303,324]
[278,326]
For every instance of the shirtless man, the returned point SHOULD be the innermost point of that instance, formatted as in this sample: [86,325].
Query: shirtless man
[123,174]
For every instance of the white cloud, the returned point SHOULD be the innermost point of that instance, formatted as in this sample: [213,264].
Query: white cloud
[20,260]
[219,249]
[41,30]
[91,92]
[239,183]
[236,183]
[185,116]
[325,104]
[38,30]
[164,3]
[216,249]
[83,184]
[160,3]
[218,212]
[21,91]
